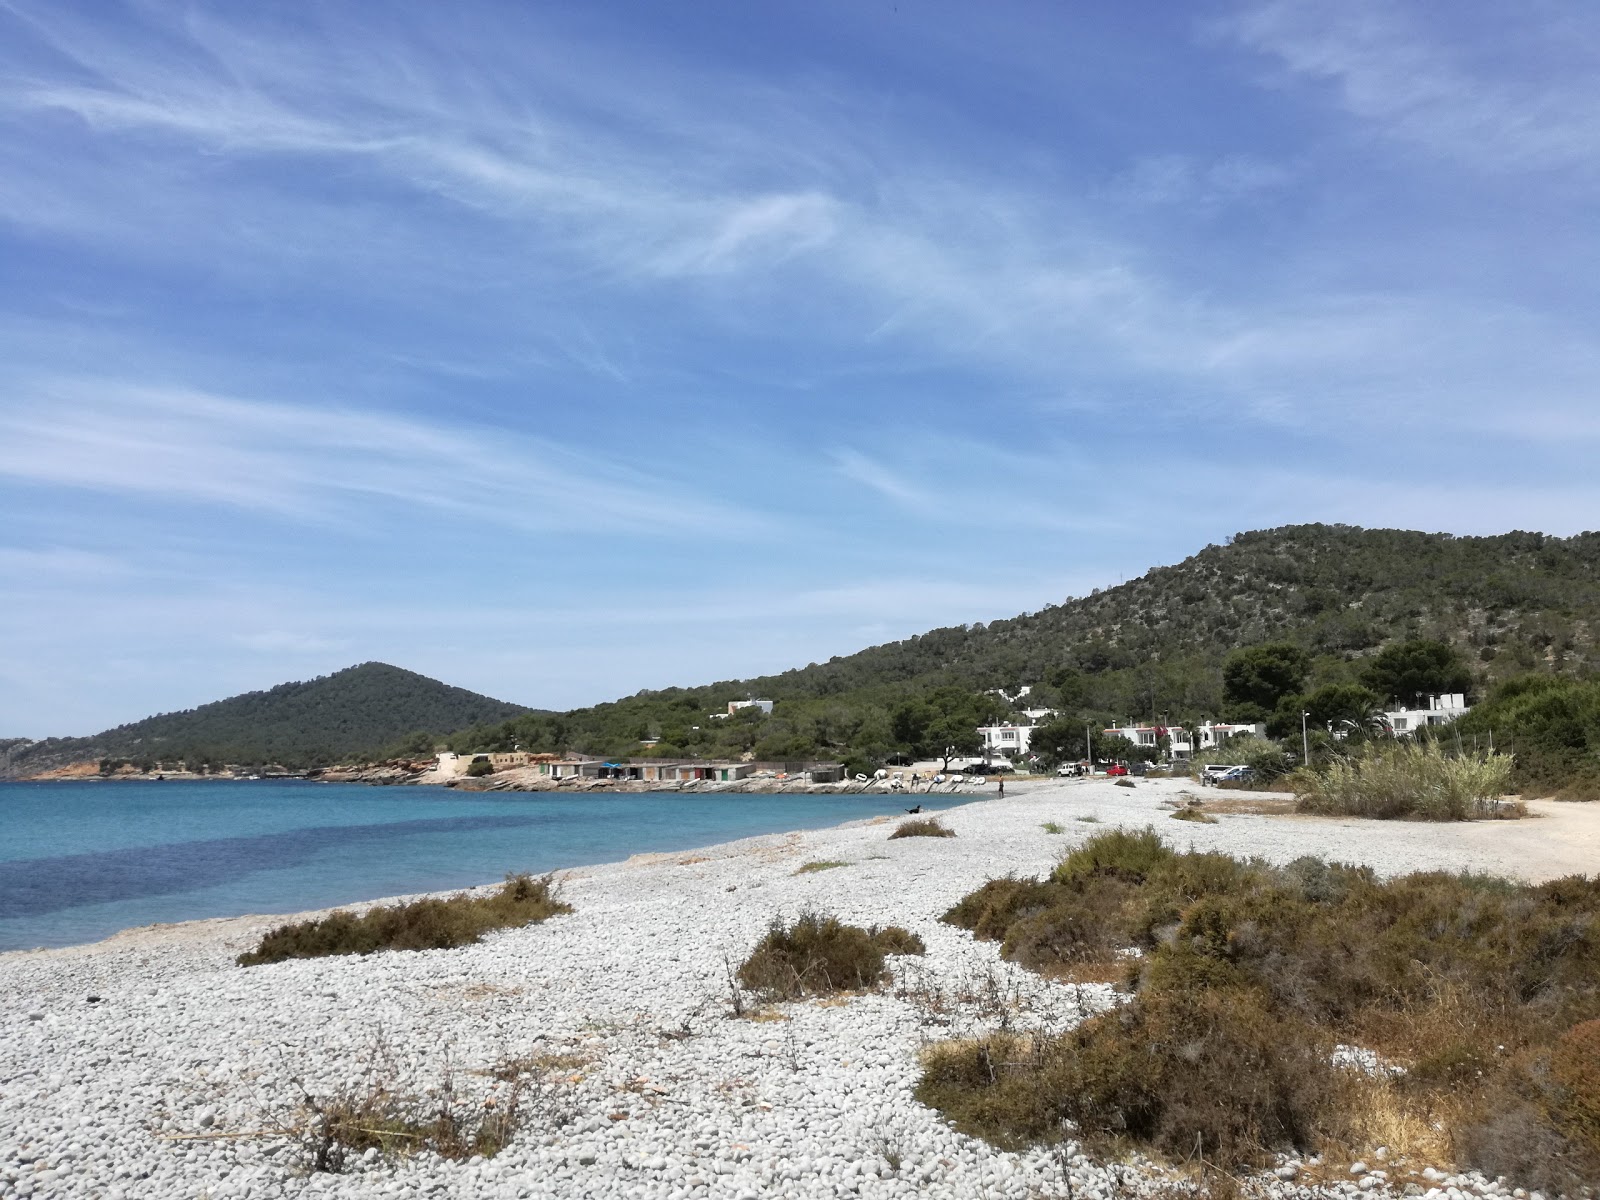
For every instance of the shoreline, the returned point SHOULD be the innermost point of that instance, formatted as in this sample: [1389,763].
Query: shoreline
[674,1096]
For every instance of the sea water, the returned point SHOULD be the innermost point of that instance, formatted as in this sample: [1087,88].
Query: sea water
[80,861]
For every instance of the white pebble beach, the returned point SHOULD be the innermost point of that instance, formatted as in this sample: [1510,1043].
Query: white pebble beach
[179,1078]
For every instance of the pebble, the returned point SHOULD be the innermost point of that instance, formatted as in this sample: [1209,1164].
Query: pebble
[629,995]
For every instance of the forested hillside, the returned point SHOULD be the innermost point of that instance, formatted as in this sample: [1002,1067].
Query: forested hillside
[1155,646]
[1325,600]
[354,712]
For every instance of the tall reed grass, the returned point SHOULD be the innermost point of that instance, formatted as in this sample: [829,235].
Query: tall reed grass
[1407,779]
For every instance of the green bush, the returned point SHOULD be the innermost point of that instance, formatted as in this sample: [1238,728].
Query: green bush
[1124,853]
[479,767]
[1550,725]
[818,955]
[1267,758]
[925,827]
[1405,779]
[427,924]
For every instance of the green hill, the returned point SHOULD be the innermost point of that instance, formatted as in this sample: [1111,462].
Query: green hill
[356,712]
[1510,604]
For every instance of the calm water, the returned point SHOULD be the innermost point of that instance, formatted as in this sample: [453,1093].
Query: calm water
[79,861]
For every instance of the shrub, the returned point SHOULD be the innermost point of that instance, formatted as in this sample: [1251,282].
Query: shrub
[427,924]
[375,1115]
[1265,757]
[812,868]
[1198,815]
[926,827]
[479,767]
[1053,827]
[1486,992]
[818,955]
[1119,852]
[1403,779]
[1575,1070]
[1209,1073]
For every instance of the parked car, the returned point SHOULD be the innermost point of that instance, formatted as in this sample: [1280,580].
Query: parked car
[1212,772]
[1236,775]
[1116,769]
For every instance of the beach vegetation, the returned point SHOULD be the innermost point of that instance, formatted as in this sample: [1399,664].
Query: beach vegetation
[431,923]
[817,955]
[1199,816]
[1053,827]
[812,868]
[1422,780]
[1472,1005]
[378,1116]
[479,767]
[922,827]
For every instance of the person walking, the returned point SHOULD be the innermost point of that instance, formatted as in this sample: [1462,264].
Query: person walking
[1002,789]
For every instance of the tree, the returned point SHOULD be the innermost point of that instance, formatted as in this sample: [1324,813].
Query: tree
[1062,740]
[1344,705]
[1257,678]
[944,724]
[1412,670]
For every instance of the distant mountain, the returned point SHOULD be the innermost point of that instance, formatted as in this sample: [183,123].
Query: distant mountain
[1511,604]
[357,712]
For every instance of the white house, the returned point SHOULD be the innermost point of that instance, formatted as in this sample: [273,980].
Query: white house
[1006,739]
[1441,710]
[1181,746]
[735,705]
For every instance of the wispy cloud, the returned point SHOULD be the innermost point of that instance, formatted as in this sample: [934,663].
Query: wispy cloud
[876,474]
[1397,66]
[322,463]
[899,259]
[1206,186]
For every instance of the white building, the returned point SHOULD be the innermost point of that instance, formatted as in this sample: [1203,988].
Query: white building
[1181,745]
[1441,710]
[1006,739]
[735,705]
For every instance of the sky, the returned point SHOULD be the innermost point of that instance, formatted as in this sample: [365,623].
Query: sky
[563,350]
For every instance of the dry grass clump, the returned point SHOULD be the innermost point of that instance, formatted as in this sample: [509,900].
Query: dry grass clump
[818,955]
[375,1116]
[426,924]
[925,827]
[811,868]
[1053,827]
[1405,779]
[1483,994]
[1197,815]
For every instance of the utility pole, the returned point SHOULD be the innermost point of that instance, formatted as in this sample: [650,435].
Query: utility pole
[1305,740]
[1088,748]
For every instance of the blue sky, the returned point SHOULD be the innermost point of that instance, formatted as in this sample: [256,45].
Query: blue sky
[562,350]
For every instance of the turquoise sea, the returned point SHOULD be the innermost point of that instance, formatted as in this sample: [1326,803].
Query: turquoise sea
[79,861]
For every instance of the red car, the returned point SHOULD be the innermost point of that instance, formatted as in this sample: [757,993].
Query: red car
[1116,769]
